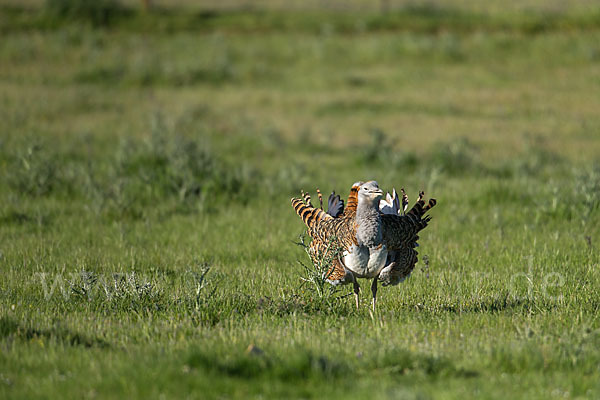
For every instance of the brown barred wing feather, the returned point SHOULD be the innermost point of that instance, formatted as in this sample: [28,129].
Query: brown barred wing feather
[401,264]
[352,202]
[311,216]
[400,235]
[400,231]
[330,238]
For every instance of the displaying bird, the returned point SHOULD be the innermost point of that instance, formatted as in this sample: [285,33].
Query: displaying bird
[402,255]
[369,238]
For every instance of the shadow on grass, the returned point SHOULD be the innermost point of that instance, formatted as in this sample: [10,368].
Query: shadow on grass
[303,364]
[11,328]
[303,304]
[491,305]
[295,366]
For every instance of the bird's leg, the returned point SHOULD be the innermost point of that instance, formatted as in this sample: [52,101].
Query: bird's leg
[374,291]
[356,292]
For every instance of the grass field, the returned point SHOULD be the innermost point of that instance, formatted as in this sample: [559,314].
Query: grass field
[146,165]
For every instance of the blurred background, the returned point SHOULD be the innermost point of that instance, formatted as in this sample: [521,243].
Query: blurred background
[182,105]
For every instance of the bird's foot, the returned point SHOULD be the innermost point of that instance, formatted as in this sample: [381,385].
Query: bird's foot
[374,291]
[356,293]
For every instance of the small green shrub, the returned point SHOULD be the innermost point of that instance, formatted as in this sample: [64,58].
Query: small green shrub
[587,189]
[457,157]
[315,273]
[169,168]
[35,171]
[379,150]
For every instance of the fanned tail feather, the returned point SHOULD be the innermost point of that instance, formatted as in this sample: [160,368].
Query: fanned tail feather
[402,240]
[391,204]
[320,198]
[335,205]
[352,202]
[430,205]
[404,201]
[306,198]
[419,209]
[310,215]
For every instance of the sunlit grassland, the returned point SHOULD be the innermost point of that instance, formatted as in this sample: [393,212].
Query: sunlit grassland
[130,160]
[503,86]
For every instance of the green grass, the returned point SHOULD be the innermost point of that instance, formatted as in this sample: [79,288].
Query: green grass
[146,235]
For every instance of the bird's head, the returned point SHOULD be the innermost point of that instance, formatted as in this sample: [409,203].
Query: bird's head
[370,192]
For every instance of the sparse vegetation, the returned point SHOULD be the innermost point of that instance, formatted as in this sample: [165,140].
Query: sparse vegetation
[314,274]
[147,159]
